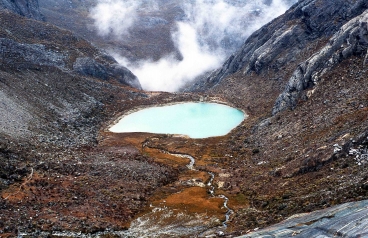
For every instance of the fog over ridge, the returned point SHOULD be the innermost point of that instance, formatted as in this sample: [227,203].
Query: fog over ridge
[210,31]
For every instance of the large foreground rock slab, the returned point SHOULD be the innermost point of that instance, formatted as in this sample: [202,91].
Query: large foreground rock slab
[346,220]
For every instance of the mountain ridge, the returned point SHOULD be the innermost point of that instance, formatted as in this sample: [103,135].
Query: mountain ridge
[302,23]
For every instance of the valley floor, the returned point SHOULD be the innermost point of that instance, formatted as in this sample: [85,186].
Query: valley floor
[137,184]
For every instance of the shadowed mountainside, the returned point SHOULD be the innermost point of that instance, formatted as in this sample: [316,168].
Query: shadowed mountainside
[56,92]
[30,51]
[151,37]
[24,8]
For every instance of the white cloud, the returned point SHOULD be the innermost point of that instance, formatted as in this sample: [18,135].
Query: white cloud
[211,31]
[114,17]
[169,74]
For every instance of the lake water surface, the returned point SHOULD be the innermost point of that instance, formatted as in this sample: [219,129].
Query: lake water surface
[196,120]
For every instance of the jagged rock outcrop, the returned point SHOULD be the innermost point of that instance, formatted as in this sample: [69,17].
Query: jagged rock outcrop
[90,67]
[27,8]
[350,39]
[284,41]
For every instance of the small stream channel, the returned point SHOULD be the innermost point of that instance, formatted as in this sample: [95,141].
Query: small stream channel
[149,225]
[191,159]
[211,190]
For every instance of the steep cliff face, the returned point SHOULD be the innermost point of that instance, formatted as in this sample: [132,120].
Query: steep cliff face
[285,44]
[23,7]
[350,40]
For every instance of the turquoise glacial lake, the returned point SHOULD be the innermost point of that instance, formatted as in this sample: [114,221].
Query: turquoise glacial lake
[196,120]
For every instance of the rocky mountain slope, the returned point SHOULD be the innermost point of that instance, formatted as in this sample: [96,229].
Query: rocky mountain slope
[155,23]
[150,39]
[302,79]
[24,8]
[306,23]
[56,91]
[29,46]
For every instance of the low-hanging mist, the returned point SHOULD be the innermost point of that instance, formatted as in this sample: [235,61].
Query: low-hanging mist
[207,34]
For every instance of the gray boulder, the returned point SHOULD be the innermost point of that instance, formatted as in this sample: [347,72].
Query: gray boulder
[346,220]
[90,67]
[124,76]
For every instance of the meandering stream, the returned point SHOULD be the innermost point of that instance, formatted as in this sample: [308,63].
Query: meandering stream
[211,190]
[191,159]
[196,120]
[163,221]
